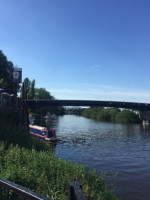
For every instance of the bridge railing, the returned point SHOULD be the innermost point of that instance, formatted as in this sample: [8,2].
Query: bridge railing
[12,191]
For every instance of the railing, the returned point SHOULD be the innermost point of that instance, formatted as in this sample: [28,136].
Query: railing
[9,190]
[12,191]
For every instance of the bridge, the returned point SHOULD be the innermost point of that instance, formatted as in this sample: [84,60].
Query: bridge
[90,103]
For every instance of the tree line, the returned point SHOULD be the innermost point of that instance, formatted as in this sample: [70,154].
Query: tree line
[111,115]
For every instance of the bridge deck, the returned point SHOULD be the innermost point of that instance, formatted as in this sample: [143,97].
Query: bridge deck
[115,104]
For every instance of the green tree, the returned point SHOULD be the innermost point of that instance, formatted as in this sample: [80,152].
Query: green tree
[111,115]
[26,84]
[32,90]
[127,116]
[42,93]
[6,68]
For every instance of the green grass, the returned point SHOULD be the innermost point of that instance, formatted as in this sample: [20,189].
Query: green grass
[31,164]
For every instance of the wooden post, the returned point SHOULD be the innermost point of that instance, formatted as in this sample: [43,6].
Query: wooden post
[75,192]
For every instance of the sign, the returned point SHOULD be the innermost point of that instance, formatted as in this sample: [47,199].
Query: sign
[17,75]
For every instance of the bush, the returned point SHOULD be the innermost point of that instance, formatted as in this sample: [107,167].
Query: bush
[127,116]
[111,115]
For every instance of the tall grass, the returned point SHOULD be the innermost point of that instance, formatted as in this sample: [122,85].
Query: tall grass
[32,165]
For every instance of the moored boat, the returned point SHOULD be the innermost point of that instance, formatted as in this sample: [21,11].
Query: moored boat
[42,132]
[146,122]
[48,116]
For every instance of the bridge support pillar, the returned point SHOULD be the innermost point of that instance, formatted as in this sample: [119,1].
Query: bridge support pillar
[145,116]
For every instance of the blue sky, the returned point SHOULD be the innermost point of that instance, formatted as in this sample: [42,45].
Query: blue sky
[80,49]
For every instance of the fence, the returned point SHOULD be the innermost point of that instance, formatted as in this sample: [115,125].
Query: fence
[9,190]
[12,191]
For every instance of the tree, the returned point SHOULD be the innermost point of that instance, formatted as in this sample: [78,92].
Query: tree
[127,116]
[6,68]
[26,84]
[41,93]
[32,90]
[111,115]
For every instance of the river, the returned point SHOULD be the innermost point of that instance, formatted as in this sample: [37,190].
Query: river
[122,151]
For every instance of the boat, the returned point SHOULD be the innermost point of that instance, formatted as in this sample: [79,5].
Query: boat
[42,132]
[48,116]
[146,122]
[31,120]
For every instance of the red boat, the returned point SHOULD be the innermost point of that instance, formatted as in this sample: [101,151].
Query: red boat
[42,132]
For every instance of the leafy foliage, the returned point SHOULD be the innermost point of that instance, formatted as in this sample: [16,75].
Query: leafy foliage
[127,116]
[6,68]
[31,94]
[39,93]
[111,115]
[42,93]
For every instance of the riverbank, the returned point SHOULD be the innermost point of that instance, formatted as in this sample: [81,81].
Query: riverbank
[31,164]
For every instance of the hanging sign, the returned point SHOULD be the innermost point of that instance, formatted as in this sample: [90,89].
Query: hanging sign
[17,75]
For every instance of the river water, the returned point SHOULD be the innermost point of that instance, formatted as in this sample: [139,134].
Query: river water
[122,151]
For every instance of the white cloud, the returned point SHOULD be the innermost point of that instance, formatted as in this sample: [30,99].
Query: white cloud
[105,92]
[94,67]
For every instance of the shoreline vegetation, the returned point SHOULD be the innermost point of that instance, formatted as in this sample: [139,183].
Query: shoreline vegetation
[114,115]
[32,164]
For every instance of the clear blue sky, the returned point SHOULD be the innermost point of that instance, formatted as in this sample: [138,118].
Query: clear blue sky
[80,49]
